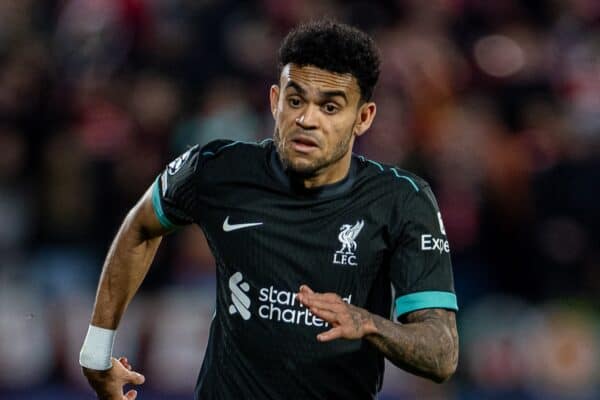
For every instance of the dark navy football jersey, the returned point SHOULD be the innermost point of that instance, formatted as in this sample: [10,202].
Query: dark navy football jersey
[376,238]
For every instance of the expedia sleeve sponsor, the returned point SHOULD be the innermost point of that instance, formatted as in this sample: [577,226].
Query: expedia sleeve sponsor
[421,269]
[173,194]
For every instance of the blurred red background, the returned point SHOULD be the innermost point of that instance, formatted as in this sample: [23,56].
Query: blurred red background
[495,102]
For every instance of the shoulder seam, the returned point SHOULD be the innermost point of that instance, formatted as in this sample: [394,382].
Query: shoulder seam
[394,171]
[409,179]
[211,153]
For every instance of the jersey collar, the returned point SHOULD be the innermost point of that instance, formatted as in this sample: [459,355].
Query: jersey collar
[333,189]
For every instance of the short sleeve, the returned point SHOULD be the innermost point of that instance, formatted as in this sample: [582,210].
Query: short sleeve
[421,268]
[174,192]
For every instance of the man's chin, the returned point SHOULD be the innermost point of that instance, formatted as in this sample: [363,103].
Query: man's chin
[300,166]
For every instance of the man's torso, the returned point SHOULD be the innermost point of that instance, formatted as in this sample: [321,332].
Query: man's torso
[268,238]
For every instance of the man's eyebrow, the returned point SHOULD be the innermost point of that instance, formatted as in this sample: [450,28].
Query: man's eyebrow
[297,87]
[327,94]
[334,93]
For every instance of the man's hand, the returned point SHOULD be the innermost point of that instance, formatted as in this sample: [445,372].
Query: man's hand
[348,321]
[109,384]
[425,344]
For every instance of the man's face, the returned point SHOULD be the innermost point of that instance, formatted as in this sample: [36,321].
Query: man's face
[317,114]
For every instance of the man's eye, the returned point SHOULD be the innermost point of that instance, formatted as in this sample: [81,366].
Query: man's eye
[294,102]
[330,108]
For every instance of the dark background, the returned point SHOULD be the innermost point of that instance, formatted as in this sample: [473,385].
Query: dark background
[495,102]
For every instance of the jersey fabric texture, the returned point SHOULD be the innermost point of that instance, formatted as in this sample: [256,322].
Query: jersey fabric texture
[376,238]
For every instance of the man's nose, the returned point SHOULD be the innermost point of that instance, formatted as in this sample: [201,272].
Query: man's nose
[308,119]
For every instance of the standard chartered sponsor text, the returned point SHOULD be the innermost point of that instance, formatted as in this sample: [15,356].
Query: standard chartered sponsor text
[282,306]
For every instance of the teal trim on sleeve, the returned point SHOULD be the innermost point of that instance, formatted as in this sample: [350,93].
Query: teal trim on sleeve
[395,171]
[420,300]
[158,210]
[376,164]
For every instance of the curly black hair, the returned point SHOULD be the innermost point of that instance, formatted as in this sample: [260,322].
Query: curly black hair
[334,47]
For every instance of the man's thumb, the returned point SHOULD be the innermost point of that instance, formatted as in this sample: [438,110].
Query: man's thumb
[135,378]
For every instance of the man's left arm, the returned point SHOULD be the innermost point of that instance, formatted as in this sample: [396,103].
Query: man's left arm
[425,344]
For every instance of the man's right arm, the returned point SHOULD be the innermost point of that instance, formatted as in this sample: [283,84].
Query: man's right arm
[126,265]
[170,202]
[127,262]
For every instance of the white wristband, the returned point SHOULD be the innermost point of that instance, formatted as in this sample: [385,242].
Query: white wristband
[96,351]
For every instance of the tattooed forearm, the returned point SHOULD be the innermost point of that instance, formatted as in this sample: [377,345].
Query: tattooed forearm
[426,344]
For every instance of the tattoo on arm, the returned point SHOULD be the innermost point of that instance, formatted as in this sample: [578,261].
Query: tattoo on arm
[426,344]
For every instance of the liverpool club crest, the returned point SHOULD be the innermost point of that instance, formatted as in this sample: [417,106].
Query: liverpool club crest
[347,236]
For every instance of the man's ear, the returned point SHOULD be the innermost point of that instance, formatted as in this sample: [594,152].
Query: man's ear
[364,118]
[274,99]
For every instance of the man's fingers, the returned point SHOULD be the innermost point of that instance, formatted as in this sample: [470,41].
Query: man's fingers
[333,333]
[135,378]
[306,289]
[331,297]
[131,395]
[120,363]
[125,362]
[322,303]
[326,315]
[306,296]
[127,375]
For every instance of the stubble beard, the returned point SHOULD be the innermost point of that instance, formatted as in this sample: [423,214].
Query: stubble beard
[313,168]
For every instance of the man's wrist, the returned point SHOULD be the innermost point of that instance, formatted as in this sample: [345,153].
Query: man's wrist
[367,322]
[371,328]
[96,352]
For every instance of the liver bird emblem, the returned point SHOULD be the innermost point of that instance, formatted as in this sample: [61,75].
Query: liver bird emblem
[347,236]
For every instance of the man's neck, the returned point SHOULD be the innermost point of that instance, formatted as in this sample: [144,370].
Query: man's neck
[331,174]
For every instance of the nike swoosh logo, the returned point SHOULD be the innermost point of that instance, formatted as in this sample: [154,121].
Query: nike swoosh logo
[227,227]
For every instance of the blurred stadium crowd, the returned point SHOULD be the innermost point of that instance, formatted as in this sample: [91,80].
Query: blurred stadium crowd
[495,102]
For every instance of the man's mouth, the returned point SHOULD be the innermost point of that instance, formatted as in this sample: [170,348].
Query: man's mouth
[304,144]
